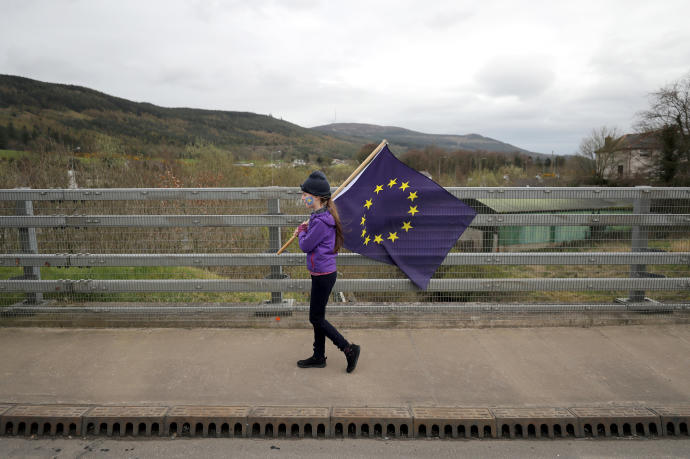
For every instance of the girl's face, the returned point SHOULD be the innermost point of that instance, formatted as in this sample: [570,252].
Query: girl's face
[311,201]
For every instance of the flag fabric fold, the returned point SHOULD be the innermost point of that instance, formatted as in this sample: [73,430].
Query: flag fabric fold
[393,214]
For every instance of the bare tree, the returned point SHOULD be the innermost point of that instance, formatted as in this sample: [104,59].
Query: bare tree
[669,117]
[598,149]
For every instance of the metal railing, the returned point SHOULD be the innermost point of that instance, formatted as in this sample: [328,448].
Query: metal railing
[212,250]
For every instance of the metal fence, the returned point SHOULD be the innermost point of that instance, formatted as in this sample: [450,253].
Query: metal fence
[207,256]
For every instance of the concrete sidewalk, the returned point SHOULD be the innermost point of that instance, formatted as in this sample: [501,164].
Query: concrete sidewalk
[615,365]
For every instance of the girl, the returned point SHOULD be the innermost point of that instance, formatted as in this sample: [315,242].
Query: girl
[321,237]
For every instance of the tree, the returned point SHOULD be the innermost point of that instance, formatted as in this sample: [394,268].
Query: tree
[668,165]
[11,131]
[669,116]
[25,135]
[365,151]
[598,149]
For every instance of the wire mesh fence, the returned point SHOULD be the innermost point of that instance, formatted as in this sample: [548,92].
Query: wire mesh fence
[208,256]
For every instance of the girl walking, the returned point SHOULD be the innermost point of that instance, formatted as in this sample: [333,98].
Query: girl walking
[321,237]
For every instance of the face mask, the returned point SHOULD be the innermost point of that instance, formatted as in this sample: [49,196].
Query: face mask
[309,200]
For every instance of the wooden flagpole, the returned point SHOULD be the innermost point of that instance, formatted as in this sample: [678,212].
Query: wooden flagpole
[344,184]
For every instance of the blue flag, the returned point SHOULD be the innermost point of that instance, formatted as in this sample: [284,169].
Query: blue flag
[393,214]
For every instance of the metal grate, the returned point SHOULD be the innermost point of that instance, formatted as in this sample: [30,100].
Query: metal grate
[338,422]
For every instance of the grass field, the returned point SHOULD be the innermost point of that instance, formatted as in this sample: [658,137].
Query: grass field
[131,273]
[14,154]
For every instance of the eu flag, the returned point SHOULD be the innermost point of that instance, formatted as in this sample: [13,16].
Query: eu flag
[393,214]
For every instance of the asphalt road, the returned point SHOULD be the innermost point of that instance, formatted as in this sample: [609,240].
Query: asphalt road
[212,448]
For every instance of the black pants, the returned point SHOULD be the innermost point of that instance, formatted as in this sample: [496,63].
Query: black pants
[321,287]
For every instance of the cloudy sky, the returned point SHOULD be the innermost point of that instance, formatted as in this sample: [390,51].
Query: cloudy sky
[537,74]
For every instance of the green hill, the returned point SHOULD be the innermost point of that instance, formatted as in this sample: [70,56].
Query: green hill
[406,138]
[45,114]
[44,117]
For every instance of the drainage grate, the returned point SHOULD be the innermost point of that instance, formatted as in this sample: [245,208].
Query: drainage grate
[371,422]
[535,422]
[212,421]
[444,422]
[290,421]
[339,422]
[125,420]
[43,420]
[674,419]
[617,421]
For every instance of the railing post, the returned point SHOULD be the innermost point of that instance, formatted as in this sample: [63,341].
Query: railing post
[489,239]
[29,244]
[275,244]
[641,206]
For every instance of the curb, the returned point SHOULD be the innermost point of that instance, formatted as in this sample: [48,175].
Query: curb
[344,422]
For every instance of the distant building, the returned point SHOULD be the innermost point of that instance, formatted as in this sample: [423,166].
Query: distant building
[502,238]
[632,155]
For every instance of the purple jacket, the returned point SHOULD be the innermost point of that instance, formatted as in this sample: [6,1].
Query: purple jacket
[318,242]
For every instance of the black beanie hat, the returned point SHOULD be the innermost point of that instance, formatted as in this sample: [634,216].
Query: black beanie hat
[317,185]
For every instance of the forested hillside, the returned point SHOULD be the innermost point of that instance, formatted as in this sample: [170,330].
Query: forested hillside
[38,116]
[407,138]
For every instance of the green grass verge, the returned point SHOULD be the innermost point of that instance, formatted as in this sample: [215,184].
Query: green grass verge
[14,154]
[132,273]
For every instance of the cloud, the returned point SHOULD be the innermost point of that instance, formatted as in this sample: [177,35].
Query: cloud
[55,67]
[521,77]
[448,18]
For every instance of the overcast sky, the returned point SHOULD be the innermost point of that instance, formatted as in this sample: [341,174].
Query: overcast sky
[537,74]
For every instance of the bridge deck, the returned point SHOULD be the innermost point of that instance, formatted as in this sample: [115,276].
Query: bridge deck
[553,367]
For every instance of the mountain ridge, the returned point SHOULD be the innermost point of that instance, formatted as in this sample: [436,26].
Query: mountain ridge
[73,115]
[83,116]
[413,139]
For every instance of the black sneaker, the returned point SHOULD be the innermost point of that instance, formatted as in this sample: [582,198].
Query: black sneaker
[312,362]
[352,355]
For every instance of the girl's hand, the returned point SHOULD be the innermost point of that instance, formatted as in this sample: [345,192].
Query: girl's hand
[302,227]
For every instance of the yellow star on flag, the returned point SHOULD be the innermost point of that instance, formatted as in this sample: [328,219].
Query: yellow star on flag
[378,239]
[364,219]
[412,196]
[413,210]
[364,232]
[392,182]
[405,185]
[368,203]
[407,226]
[393,236]
[367,240]
[378,188]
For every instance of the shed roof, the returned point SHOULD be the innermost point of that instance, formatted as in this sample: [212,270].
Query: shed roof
[506,206]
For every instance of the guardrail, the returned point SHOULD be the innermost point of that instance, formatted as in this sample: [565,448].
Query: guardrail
[629,240]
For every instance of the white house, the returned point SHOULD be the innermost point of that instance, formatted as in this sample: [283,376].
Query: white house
[630,155]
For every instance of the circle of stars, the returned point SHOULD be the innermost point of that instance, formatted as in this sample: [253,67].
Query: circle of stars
[392,185]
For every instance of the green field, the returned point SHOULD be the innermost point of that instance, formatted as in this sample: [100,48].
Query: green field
[13,154]
[132,273]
